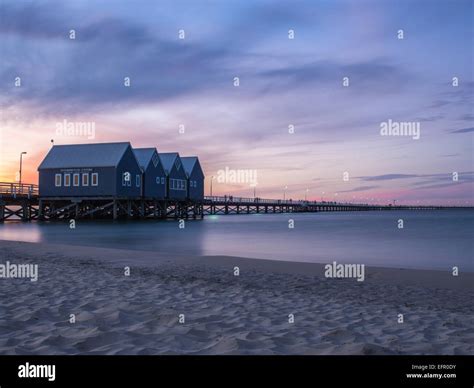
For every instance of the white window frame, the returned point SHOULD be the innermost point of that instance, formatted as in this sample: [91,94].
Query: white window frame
[162,180]
[96,176]
[178,184]
[85,179]
[67,180]
[74,176]
[58,177]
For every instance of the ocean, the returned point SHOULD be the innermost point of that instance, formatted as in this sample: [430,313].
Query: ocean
[438,239]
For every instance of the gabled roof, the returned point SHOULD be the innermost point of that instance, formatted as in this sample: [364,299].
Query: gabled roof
[167,160]
[144,156]
[188,163]
[84,155]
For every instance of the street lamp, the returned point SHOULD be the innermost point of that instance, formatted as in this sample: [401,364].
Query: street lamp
[21,162]
[212,178]
[284,193]
[254,185]
[306,194]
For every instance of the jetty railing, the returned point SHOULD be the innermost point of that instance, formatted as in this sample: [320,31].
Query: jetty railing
[269,201]
[10,189]
[234,199]
[22,202]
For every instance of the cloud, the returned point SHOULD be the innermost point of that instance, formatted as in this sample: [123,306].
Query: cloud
[376,73]
[463,130]
[449,155]
[444,185]
[440,103]
[88,72]
[467,117]
[359,188]
[387,177]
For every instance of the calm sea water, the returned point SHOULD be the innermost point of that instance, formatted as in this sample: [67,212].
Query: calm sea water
[429,239]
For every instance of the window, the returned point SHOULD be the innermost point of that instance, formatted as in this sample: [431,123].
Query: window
[85,179]
[95,179]
[162,180]
[177,184]
[157,180]
[137,180]
[57,180]
[75,179]
[67,180]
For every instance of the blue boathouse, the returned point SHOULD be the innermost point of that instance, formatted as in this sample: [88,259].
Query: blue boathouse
[153,174]
[195,176]
[176,187]
[90,170]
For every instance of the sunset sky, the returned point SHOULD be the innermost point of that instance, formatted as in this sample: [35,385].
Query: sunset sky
[283,82]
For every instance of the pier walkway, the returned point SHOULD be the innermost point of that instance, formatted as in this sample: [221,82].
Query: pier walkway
[22,202]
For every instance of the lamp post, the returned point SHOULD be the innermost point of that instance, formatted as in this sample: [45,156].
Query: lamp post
[254,185]
[212,178]
[284,193]
[21,163]
[306,194]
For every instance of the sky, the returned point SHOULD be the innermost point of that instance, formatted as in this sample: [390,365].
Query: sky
[293,120]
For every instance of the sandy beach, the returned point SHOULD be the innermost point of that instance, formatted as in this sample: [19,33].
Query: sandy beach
[196,305]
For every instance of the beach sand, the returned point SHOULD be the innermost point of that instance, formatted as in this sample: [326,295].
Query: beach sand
[223,313]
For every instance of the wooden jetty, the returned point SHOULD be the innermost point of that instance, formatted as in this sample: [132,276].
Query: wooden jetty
[18,201]
[22,202]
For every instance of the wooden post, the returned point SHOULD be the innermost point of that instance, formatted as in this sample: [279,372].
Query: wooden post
[2,211]
[24,211]
[40,210]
